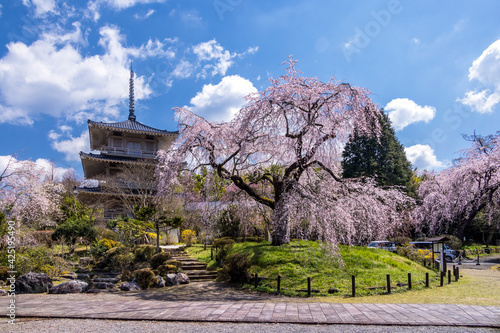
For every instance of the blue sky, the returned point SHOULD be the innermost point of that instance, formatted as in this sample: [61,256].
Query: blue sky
[433,66]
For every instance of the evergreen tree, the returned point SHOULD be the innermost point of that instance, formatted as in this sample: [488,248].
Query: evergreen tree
[383,159]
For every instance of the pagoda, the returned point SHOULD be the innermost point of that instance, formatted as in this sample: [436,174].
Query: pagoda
[119,145]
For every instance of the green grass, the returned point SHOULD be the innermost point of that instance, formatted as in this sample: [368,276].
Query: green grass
[299,260]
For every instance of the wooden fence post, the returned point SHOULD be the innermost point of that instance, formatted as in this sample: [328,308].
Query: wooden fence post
[279,284]
[427,280]
[308,286]
[353,280]
[388,283]
[409,281]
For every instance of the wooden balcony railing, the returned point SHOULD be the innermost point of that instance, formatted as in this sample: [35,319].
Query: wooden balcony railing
[128,152]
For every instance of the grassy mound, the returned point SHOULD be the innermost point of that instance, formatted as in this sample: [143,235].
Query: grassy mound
[302,259]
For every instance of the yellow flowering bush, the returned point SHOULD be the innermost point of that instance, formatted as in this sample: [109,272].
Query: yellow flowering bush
[188,237]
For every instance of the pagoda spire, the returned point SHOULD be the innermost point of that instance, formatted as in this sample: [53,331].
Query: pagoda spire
[131,114]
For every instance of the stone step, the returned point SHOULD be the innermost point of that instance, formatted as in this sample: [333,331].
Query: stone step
[201,278]
[193,267]
[200,273]
[190,261]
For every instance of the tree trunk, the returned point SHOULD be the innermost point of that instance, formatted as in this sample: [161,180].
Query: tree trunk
[281,226]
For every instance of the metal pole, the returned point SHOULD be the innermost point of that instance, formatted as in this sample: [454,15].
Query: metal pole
[256,280]
[279,284]
[427,280]
[449,276]
[388,283]
[308,286]
[409,281]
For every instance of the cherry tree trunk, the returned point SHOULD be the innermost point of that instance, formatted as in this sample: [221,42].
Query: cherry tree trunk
[281,225]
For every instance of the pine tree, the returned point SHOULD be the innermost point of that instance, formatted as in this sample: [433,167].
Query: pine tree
[383,159]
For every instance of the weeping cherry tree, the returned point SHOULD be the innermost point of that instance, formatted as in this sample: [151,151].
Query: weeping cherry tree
[283,149]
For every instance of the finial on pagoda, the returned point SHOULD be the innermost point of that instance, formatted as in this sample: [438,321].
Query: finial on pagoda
[131,115]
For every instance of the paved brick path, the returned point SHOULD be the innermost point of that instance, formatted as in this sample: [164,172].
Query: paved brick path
[267,312]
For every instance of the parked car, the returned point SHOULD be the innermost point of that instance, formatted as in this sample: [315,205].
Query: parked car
[385,245]
[448,251]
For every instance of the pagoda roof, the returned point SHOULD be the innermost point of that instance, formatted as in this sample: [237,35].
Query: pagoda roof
[132,126]
[100,190]
[95,164]
[115,158]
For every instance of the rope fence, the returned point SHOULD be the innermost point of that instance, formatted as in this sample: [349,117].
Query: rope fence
[355,288]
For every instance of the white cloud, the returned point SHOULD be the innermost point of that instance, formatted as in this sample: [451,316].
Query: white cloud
[204,60]
[191,17]
[485,70]
[423,157]
[42,7]
[222,101]
[404,111]
[145,16]
[51,77]
[212,50]
[482,101]
[93,6]
[45,166]
[183,70]
[70,147]
[122,4]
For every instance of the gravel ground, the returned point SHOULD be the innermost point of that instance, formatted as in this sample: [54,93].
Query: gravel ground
[111,326]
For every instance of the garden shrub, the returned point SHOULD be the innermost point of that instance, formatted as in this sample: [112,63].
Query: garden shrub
[126,275]
[159,258]
[145,278]
[124,261]
[43,237]
[109,243]
[400,240]
[106,233]
[222,247]
[255,239]
[144,252]
[176,263]
[103,246]
[188,237]
[405,250]
[455,243]
[74,228]
[152,237]
[115,251]
[33,259]
[98,250]
[235,268]
[3,273]
[167,269]
[115,258]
